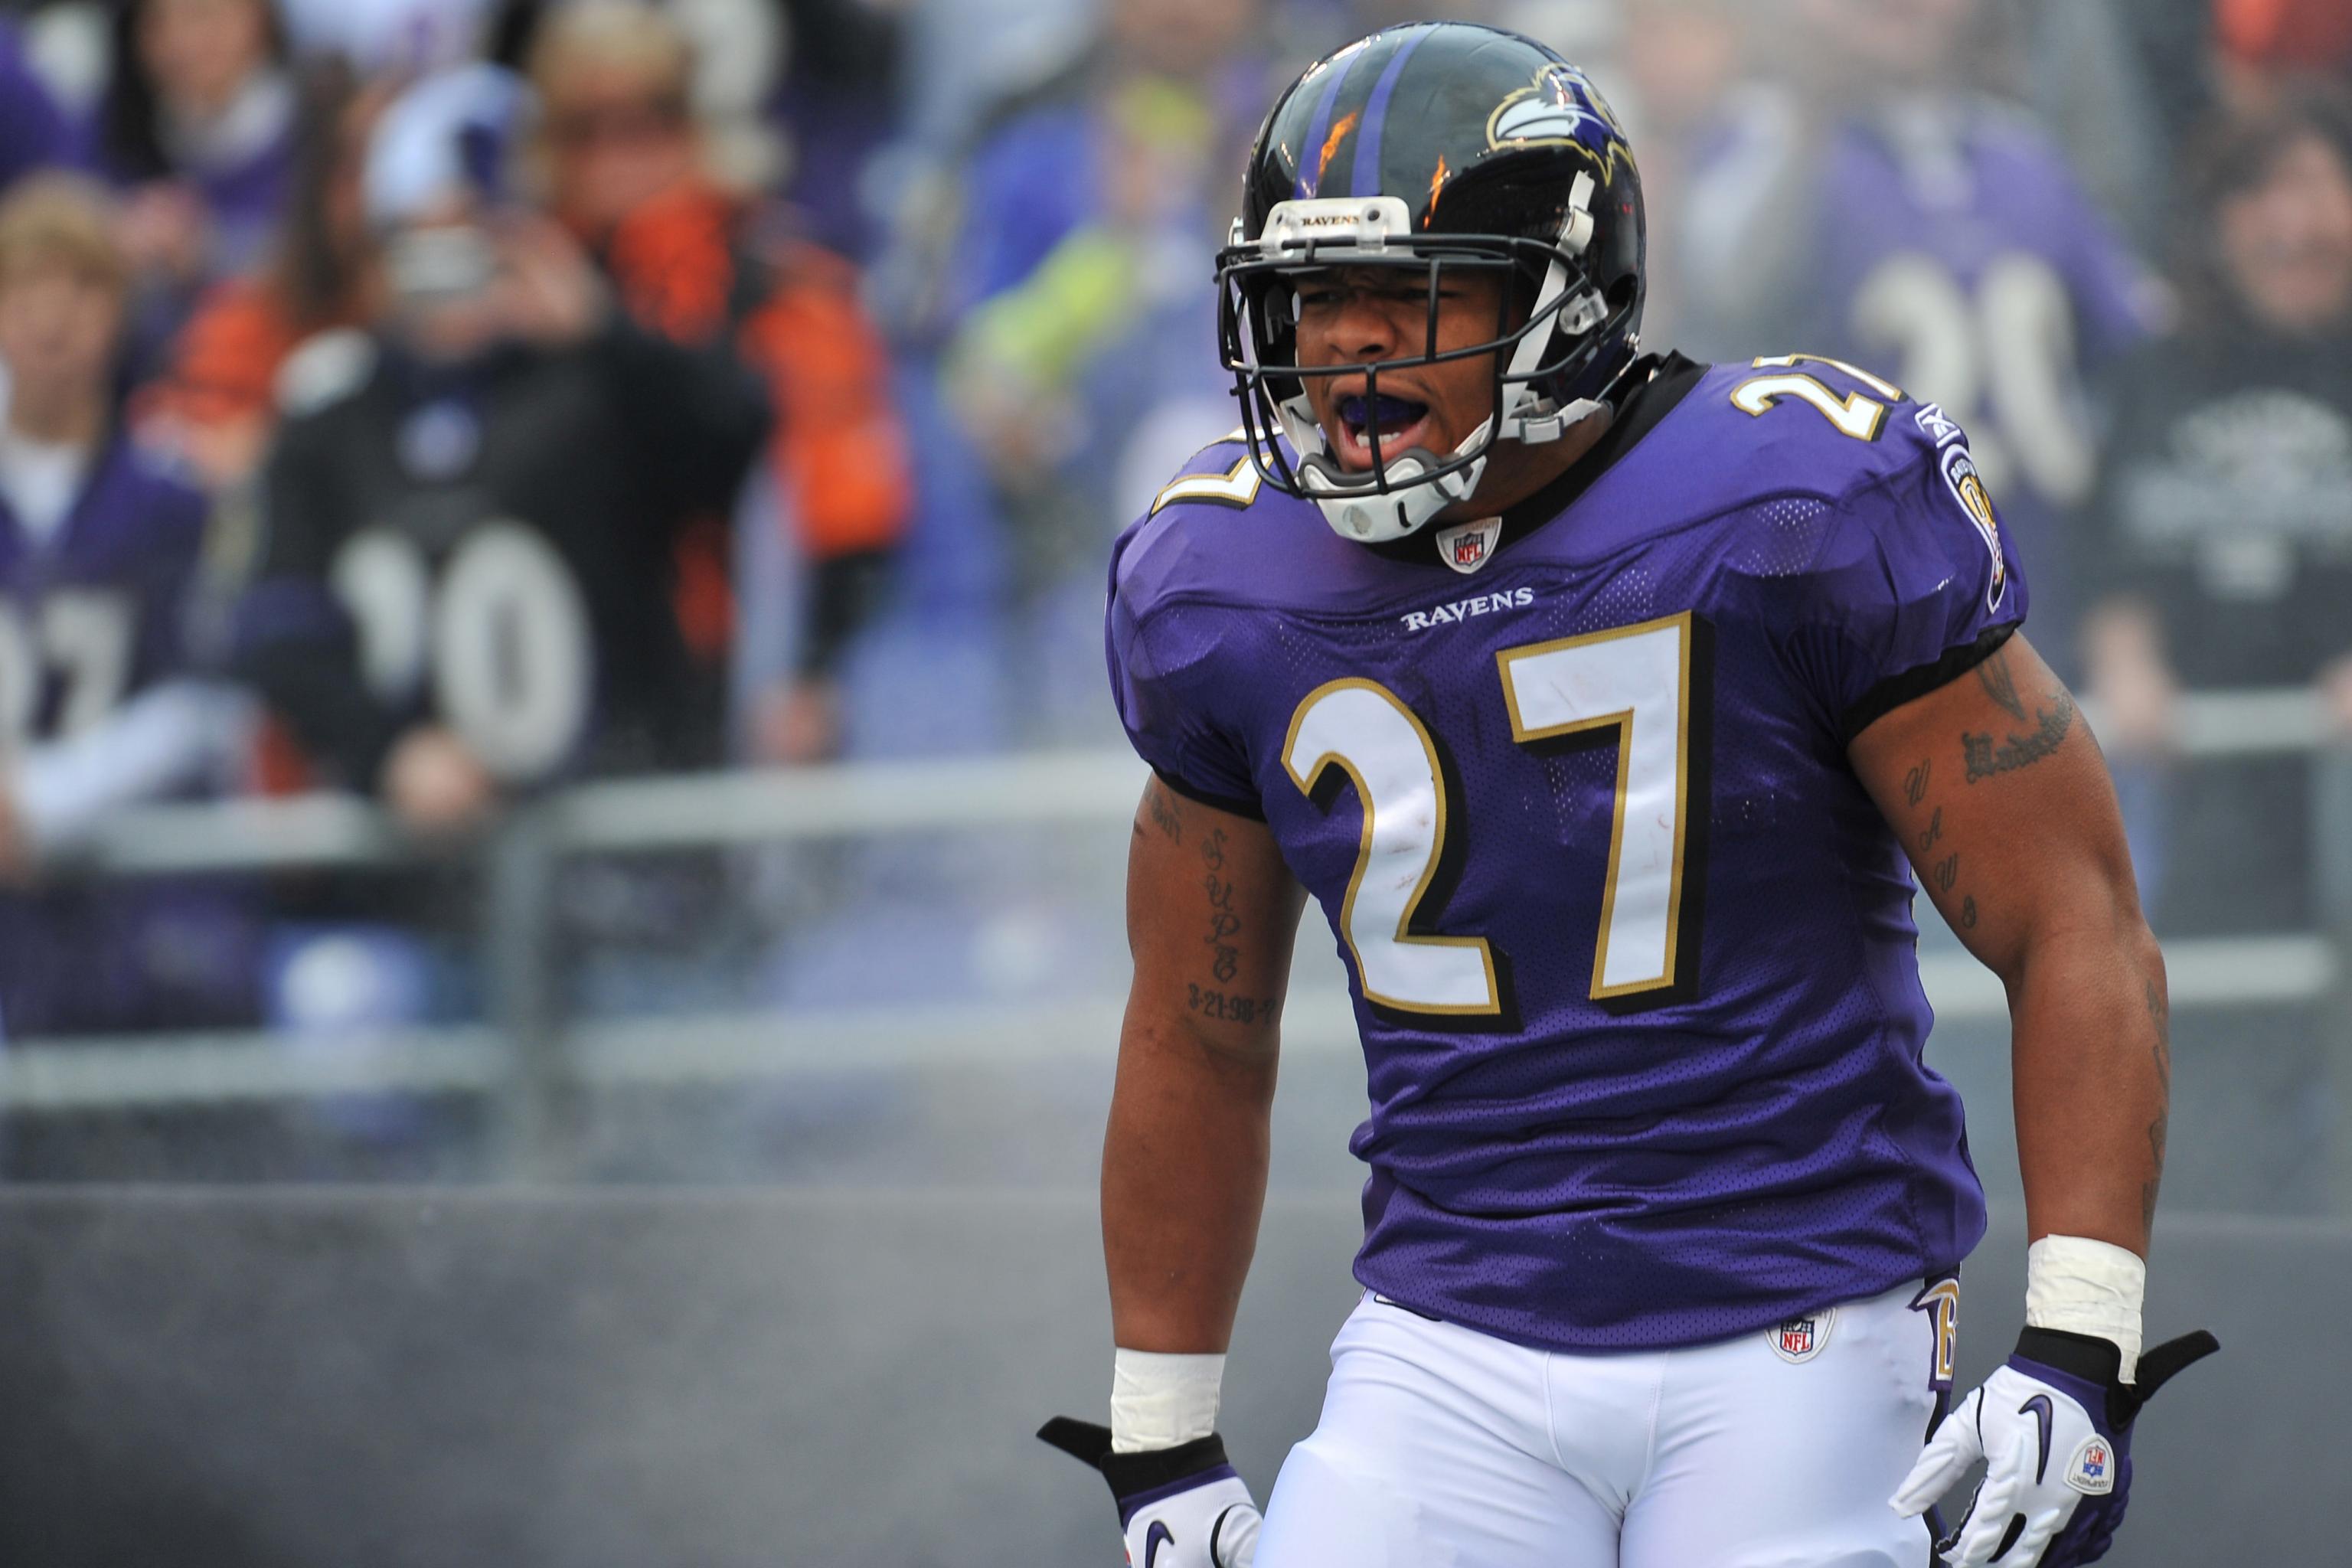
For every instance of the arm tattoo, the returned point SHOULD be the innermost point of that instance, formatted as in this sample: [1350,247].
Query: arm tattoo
[1915,783]
[1985,759]
[2000,684]
[1164,812]
[1234,1009]
[1223,924]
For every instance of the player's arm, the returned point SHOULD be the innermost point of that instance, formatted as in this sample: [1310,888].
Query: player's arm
[2003,803]
[1212,913]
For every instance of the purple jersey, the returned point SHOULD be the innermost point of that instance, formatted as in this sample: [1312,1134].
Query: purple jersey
[95,614]
[1630,948]
[1976,271]
[1951,248]
[89,619]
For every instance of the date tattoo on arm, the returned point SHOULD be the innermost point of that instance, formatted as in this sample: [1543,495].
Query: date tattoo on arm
[1232,1009]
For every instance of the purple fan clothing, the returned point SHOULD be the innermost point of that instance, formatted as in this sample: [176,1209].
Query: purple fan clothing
[1955,253]
[130,544]
[1759,1138]
[100,609]
[34,133]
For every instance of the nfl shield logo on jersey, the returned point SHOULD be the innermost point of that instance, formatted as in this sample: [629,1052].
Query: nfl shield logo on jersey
[1799,1340]
[1469,547]
[2093,1468]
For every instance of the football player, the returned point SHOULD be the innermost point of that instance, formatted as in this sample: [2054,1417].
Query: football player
[1598,697]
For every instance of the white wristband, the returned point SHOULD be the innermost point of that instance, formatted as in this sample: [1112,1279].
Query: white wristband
[1159,1401]
[2087,1287]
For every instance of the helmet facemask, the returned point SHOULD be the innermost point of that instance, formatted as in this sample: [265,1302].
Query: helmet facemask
[1538,364]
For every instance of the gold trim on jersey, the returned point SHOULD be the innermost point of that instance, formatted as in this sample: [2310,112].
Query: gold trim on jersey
[1622,722]
[1307,781]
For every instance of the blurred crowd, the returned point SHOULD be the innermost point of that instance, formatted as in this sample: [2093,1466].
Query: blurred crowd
[445,400]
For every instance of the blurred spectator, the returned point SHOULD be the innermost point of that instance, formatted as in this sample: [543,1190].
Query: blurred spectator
[838,103]
[470,511]
[34,133]
[2262,41]
[390,38]
[624,166]
[100,707]
[1082,347]
[1680,58]
[196,130]
[2100,76]
[1874,206]
[1056,161]
[2225,510]
[215,402]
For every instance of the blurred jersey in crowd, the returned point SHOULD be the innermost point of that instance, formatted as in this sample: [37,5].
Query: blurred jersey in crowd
[465,586]
[100,552]
[1870,206]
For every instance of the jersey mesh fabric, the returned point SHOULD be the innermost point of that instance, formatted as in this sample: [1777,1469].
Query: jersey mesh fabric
[1671,1168]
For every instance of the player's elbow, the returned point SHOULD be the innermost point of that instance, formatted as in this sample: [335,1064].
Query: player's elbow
[1232,1061]
[2091,916]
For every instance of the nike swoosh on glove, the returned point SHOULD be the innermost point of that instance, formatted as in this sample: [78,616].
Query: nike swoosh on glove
[2055,1427]
[1179,1508]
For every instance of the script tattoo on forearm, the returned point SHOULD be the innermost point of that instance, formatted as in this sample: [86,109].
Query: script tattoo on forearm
[1985,759]
[1224,925]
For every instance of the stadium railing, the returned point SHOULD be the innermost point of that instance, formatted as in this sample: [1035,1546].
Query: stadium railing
[527,1055]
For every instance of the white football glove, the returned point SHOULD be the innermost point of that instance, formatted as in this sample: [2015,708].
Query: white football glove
[1178,1508]
[2054,1428]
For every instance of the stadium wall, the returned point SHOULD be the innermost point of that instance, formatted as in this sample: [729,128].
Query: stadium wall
[589,1377]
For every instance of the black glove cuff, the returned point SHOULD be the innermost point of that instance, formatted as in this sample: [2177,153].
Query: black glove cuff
[1130,1474]
[2100,1361]
[2088,1356]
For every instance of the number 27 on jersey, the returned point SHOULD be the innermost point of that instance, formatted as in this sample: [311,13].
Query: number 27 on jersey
[1645,688]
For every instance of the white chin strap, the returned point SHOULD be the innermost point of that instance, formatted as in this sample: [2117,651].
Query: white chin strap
[1358,506]
[1355,506]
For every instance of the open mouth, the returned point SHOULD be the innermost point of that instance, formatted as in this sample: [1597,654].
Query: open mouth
[1402,423]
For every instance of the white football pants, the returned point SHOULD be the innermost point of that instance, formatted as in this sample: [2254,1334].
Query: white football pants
[1444,1448]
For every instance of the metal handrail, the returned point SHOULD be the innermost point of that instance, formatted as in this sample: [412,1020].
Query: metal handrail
[525,1050]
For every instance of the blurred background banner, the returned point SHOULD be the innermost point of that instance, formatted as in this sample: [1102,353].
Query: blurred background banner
[561,829]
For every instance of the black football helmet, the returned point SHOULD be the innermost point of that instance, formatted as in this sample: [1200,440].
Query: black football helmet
[1435,145]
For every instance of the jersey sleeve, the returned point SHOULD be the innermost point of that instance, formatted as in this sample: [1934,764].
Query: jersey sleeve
[1918,581]
[1163,680]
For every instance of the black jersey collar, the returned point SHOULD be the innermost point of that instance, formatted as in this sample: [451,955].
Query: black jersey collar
[1661,383]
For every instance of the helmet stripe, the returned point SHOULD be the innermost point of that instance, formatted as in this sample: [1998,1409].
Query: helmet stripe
[1310,164]
[1366,179]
